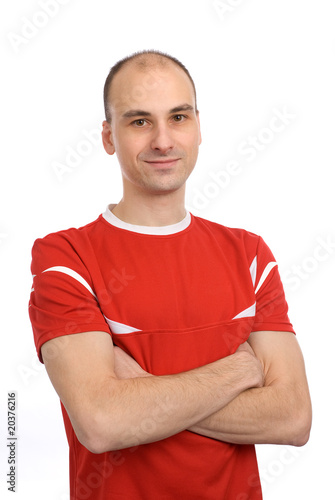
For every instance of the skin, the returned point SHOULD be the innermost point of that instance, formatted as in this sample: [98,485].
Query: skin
[156,136]
[106,410]
[257,395]
[279,412]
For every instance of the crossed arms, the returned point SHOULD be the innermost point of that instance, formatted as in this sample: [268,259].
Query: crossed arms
[257,395]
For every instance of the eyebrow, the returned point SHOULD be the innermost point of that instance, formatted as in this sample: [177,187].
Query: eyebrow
[140,112]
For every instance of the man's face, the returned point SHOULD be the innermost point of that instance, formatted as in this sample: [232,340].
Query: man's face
[155,130]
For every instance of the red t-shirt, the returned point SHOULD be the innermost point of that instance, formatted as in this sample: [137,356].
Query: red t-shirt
[174,298]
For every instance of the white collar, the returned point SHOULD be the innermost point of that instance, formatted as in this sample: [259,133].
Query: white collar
[153,230]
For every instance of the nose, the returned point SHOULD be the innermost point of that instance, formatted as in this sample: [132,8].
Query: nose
[162,139]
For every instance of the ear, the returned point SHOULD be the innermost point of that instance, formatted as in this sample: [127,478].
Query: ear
[198,118]
[107,138]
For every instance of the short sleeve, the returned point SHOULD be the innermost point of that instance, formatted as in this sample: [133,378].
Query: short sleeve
[271,305]
[62,300]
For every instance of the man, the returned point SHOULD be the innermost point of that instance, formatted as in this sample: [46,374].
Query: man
[165,335]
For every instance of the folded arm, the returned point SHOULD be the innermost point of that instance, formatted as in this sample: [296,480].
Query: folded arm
[277,413]
[113,404]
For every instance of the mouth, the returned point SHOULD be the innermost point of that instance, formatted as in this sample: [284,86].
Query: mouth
[167,163]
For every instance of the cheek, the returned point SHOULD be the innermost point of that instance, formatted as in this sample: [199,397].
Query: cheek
[191,137]
[127,147]
[192,144]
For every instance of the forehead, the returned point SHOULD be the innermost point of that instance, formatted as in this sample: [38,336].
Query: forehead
[154,87]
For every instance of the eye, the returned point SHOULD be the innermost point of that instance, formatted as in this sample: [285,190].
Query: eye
[179,118]
[139,123]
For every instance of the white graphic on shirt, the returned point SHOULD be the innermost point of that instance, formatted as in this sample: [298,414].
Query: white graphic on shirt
[251,310]
[247,313]
[265,274]
[120,327]
[73,274]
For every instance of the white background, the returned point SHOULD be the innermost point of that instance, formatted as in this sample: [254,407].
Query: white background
[251,60]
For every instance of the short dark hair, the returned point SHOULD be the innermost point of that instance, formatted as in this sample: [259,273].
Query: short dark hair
[144,57]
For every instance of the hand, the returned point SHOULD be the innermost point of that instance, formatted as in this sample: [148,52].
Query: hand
[125,366]
[254,364]
[247,348]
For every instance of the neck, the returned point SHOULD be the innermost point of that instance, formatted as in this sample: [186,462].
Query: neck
[156,210]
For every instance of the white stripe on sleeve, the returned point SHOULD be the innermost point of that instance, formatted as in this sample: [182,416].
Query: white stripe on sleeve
[265,274]
[73,274]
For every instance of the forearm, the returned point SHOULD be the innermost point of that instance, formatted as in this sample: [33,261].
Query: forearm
[278,413]
[141,410]
[270,414]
